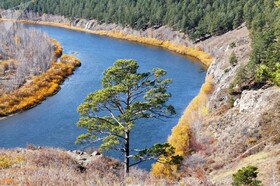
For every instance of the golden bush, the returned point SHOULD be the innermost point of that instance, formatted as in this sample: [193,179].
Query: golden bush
[39,88]
[57,48]
[180,137]
[8,161]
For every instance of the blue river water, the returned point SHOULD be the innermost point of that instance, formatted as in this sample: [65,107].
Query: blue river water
[53,123]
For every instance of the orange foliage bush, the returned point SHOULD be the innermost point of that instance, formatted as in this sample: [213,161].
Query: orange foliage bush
[6,181]
[42,86]
[180,137]
[57,48]
[70,60]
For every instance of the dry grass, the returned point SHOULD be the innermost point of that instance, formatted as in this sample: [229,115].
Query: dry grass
[266,161]
[56,167]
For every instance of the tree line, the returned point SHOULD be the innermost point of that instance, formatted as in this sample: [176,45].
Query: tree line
[197,18]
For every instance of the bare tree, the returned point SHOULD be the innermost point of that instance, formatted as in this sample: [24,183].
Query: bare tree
[31,50]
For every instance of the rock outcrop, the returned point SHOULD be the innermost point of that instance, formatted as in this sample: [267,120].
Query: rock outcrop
[84,158]
[240,132]
[226,138]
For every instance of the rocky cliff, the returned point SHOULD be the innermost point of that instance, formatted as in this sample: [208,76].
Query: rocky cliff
[230,133]
[236,132]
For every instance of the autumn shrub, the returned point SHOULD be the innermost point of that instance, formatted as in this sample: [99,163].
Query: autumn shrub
[107,167]
[7,161]
[47,166]
[70,60]
[57,48]
[51,158]
[40,87]
[181,133]
[7,65]
[6,181]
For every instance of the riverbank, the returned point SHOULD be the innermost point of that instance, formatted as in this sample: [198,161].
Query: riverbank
[38,88]
[221,135]
[196,52]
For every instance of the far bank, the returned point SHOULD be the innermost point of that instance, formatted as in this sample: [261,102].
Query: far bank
[164,36]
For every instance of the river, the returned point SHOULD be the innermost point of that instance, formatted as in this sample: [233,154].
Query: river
[52,123]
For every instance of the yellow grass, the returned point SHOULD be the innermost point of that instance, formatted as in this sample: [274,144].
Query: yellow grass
[48,166]
[252,160]
[205,58]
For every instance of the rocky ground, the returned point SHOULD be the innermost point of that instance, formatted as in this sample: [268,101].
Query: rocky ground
[231,135]
[47,166]
[245,132]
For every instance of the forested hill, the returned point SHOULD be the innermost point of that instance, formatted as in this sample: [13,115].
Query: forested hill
[197,18]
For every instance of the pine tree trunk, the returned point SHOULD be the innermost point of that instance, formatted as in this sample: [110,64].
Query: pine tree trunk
[126,155]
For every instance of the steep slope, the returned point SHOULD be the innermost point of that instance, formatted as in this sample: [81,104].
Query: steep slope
[220,134]
[225,135]
[249,126]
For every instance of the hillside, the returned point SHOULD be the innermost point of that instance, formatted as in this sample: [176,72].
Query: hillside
[226,134]
[46,166]
[198,19]
[234,121]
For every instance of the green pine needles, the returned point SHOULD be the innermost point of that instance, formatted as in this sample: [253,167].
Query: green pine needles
[126,96]
[247,176]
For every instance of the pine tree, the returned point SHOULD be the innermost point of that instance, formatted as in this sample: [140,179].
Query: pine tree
[109,114]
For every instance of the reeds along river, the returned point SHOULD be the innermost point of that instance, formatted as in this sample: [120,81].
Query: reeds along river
[53,122]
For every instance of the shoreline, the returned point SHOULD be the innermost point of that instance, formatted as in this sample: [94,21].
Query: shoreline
[42,87]
[203,58]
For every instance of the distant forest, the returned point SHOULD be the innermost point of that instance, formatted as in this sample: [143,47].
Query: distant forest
[197,18]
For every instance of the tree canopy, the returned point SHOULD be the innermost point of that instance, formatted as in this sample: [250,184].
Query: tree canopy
[246,176]
[126,96]
[198,18]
